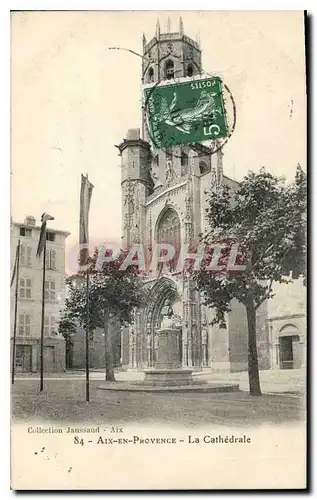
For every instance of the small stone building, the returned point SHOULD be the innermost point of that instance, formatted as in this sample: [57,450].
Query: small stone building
[27,355]
[287,326]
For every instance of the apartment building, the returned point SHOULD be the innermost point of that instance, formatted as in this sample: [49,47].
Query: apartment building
[29,305]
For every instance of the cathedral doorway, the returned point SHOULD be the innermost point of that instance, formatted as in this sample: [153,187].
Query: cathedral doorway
[163,292]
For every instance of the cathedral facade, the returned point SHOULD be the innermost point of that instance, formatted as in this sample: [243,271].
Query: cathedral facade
[164,200]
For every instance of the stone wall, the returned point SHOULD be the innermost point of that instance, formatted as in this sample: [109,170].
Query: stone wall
[54,345]
[219,349]
[96,349]
[238,337]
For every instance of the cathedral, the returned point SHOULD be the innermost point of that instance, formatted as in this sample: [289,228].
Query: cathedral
[164,200]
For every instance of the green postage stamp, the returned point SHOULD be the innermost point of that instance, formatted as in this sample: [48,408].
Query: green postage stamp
[189,110]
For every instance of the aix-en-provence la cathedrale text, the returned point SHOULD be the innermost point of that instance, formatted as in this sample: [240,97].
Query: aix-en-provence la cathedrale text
[164,200]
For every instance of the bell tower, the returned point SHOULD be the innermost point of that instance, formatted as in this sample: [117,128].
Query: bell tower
[170,55]
[167,56]
[135,157]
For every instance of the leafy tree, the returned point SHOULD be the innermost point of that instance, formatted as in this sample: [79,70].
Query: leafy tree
[67,327]
[113,293]
[266,217]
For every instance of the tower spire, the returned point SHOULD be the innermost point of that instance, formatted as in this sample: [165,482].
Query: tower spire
[158,29]
[168,24]
[143,40]
[181,26]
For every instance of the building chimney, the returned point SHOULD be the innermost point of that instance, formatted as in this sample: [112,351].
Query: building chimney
[29,220]
[133,134]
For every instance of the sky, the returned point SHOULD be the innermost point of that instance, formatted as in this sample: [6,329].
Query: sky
[73,100]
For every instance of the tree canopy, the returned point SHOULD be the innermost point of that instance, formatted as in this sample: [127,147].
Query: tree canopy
[112,292]
[109,288]
[266,217]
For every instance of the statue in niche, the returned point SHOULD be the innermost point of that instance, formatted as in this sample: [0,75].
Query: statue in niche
[168,320]
[178,320]
[132,347]
[169,174]
[185,341]
[149,348]
[167,309]
[149,319]
[132,337]
[156,345]
[204,342]
[155,176]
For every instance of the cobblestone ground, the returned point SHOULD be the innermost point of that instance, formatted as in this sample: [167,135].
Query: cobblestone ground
[63,401]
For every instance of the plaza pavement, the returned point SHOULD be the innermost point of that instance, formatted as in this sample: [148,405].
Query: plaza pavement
[63,401]
[288,382]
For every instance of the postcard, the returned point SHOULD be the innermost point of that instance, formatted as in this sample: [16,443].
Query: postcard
[158,250]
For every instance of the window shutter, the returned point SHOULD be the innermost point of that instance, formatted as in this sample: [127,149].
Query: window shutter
[46,326]
[28,288]
[53,324]
[53,259]
[27,324]
[29,256]
[22,255]
[21,324]
[22,288]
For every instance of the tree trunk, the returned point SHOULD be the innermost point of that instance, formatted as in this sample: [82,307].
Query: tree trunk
[108,347]
[253,367]
[69,354]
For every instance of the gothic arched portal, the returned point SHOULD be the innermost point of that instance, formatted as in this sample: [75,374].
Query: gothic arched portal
[168,230]
[164,290]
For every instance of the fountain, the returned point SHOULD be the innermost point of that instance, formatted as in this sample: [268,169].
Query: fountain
[167,370]
[167,374]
